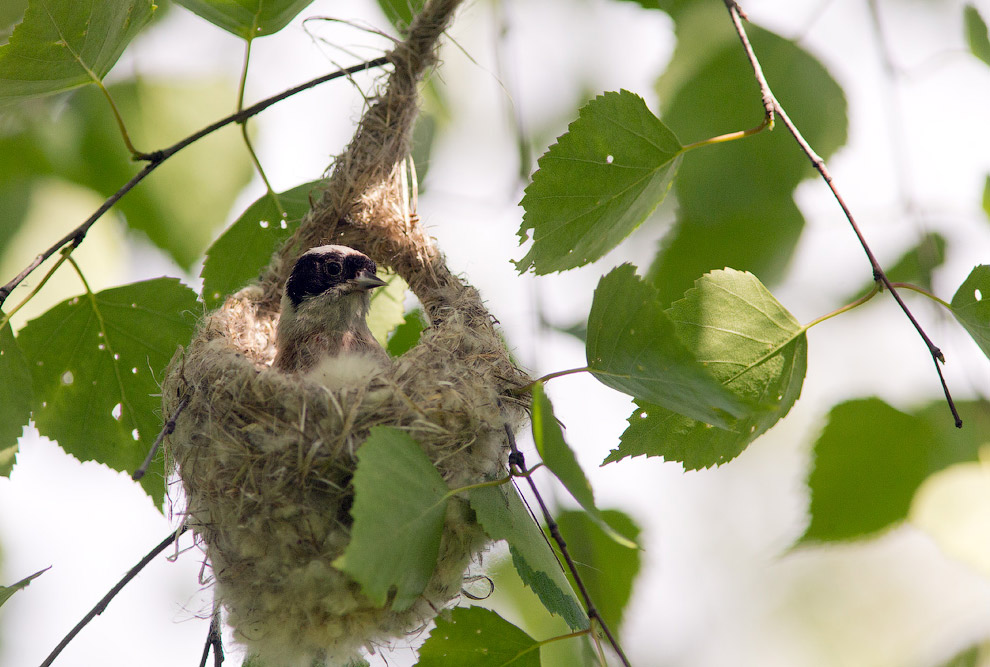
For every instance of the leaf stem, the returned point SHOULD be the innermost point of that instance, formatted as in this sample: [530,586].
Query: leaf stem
[772,106]
[135,153]
[155,158]
[921,290]
[849,306]
[549,376]
[731,136]
[244,129]
[61,260]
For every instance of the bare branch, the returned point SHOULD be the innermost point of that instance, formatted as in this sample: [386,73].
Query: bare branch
[878,273]
[102,604]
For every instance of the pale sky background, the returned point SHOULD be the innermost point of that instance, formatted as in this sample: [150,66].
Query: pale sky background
[719,585]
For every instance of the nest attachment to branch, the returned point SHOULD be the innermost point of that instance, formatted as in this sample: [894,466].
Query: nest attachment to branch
[266,458]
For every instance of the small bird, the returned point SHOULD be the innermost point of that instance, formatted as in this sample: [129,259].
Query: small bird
[322,330]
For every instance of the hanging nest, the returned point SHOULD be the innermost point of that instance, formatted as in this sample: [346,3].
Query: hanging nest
[266,458]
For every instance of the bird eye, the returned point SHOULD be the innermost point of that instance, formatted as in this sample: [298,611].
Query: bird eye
[334,268]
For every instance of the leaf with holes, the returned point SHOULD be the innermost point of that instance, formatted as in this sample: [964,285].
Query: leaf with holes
[399,506]
[247,18]
[971,306]
[96,362]
[245,248]
[750,343]
[15,396]
[480,638]
[632,347]
[63,44]
[597,184]
[503,515]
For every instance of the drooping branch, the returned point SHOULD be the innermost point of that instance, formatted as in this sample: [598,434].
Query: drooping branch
[879,275]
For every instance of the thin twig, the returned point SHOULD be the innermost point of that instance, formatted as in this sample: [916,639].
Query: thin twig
[166,430]
[102,604]
[214,640]
[518,462]
[76,236]
[878,273]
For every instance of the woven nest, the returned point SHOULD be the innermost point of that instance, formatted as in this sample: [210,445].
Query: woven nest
[266,458]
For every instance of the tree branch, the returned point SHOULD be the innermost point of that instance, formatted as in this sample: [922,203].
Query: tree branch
[518,463]
[819,164]
[154,159]
[102,604]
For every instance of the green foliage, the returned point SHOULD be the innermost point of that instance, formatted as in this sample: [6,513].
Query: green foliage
[971,306]
[503,515]
[238,256]
[386,311]
[11,13]
[96,361]
[399,506]
[15,396]
[477,637]
[247,18]
[986,197]
[63,44]
[405,336]
[210,174]
[400,12]
[597,184]
[735,200]
[977,36]
[749,342]
[632,347]
[559,458]
[7,591]
[607,568]
[870,460]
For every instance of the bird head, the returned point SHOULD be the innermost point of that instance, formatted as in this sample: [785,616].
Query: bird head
[324,306]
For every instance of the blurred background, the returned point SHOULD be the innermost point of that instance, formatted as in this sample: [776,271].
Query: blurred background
[721,582]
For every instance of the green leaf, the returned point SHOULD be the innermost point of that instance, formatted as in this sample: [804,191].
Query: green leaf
[405,336]
[971,306]
[559,458]
[11,13]
[7,591]
[633,348]
[986,197]
[237,257]
[247,18]
[477,637]
[736,200]
[63,44]
[751,344]
[96,363]
[607,568]
[597,184]
[387,307]
[15,396]
[399,506]
[400,13]
[977,36]
[869,461]
[503,515]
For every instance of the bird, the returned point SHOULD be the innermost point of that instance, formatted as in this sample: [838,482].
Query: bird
[322,329]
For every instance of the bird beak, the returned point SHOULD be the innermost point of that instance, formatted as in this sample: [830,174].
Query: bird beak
[367,281]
